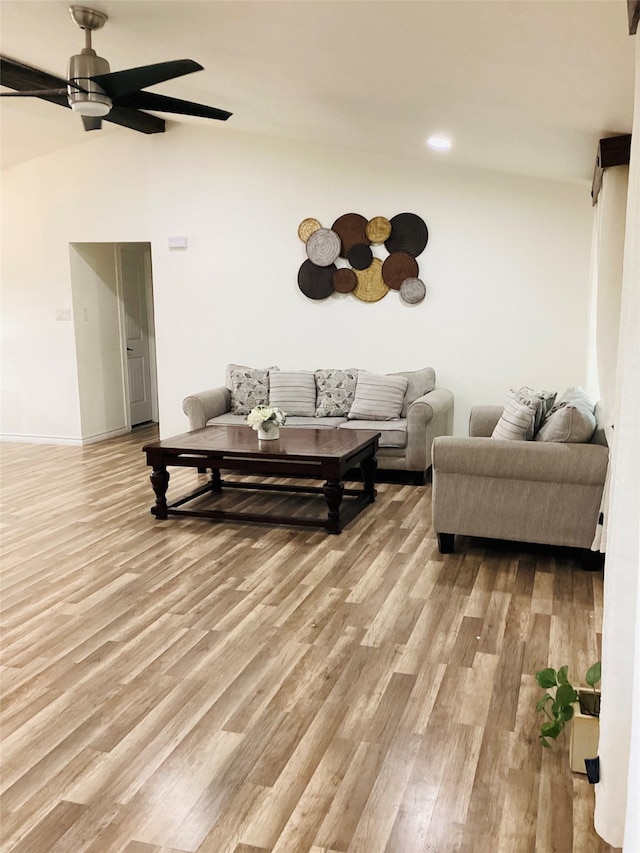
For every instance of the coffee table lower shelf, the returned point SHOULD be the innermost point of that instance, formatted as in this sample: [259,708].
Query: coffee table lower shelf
[347,511]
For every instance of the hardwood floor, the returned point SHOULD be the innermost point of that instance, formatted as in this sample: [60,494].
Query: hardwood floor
[182,686]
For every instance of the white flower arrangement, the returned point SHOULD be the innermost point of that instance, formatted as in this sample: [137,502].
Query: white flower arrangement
[263,417]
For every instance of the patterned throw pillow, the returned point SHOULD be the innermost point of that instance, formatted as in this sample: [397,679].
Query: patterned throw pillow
[249,388]
[378,398]
[293,391]
[335,392]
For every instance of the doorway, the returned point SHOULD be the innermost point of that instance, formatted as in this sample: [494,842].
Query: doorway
[136,288]
[112,291]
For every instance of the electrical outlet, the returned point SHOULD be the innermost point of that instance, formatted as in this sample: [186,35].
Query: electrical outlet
[63,313]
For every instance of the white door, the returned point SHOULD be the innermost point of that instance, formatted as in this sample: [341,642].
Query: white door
[135,272]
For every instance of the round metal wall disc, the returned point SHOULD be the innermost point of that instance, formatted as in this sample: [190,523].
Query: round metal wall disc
[397,267]
[316,282]
[344,280]
[412,291]
[370,286]
[323,247]
[351,228]
[409,233]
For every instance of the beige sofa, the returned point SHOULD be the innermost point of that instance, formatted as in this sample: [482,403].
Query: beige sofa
[405,443]
[525,491]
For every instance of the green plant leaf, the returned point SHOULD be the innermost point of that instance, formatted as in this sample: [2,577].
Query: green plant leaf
[542,703]
[566,713]
[546,678]
[545,742]
[565,695]
[593,674]
[551,729]
[563,675]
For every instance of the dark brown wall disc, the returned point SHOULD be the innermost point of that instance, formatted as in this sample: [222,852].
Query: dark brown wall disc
[397,267]
[316,282]
[344,280]
[409,233]
[360,256]
[351,228]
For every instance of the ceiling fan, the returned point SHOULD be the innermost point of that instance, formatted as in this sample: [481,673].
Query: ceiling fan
[97,93]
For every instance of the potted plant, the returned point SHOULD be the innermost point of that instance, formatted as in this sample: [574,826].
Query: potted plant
[266,421]
[567,703]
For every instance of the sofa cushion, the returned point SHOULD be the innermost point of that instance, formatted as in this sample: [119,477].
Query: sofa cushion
[392,433]
[378,398]
[335,391]
[227,376]
[572,419]
[249,388]
[420,383]
[293,391]
[517,421]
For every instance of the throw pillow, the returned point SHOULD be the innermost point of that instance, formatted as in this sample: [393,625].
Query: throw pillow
[249,388]
[572,419]
[517,421]
[227,379]
[420,383]
[293,391]
[542,402]
[378,398]
[335,392]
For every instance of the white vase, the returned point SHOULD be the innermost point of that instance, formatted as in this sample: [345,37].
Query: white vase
[271,433]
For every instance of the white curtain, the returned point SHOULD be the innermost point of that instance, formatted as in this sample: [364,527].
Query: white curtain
[617,813]
[606,284]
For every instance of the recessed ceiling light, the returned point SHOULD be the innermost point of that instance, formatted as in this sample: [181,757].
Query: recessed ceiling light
[439,143]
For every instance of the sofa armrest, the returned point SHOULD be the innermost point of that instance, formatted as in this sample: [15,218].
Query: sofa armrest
[585,464]
[428,416]
[483,420]
[204,405]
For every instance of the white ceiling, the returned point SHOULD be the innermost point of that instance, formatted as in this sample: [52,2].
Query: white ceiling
[525,86]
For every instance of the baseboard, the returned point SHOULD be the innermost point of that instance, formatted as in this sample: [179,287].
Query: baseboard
[57,439]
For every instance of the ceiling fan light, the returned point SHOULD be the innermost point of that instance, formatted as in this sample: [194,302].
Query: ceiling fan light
[91,108]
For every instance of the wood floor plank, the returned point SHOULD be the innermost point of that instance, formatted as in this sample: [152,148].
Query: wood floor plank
[195,687]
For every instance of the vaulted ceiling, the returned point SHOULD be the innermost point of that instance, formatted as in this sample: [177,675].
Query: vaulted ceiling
[523,86]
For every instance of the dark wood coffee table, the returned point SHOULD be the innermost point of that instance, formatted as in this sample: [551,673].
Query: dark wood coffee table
[316,454]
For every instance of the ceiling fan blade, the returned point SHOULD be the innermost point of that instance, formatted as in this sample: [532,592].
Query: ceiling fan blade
[23,78]
[163,104]
[33,93]
[135,120]
[119,83]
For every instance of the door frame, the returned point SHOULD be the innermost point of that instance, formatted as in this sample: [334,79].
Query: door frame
[151,329]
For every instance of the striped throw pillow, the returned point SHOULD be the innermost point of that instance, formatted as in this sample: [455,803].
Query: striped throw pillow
[378,398]
[517,421]
[293,391]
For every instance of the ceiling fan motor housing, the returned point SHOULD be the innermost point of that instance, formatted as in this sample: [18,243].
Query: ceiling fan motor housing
[93,101]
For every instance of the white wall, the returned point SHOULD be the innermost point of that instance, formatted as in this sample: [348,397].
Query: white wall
[96,315]
[506,266]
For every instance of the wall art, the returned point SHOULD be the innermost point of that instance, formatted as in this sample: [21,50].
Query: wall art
[365,257]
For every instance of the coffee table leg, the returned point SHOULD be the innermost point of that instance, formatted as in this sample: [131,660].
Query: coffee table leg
[216,480]
[160,482]
[333,490]
[369,466]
